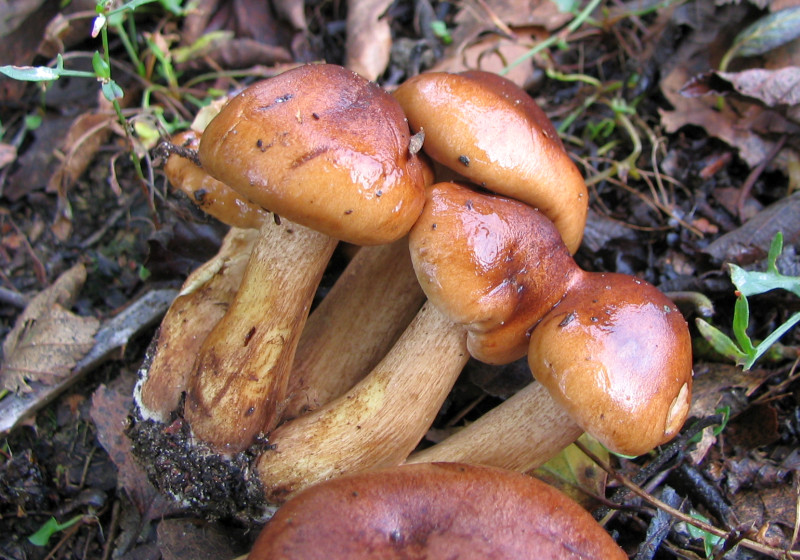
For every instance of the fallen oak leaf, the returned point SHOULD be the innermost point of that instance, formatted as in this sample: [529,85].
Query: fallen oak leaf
[369,37]
[110,340]
[48,339]
[772,87]
[778,89]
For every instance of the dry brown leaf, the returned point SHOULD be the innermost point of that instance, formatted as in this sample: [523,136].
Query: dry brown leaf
[750,242]
[109,411]
[369,38]
[8,154]
[47,339]
[719,385]
[773,87]
[491,54]
[733,121]
[86,134]
[722,123]
[491,34]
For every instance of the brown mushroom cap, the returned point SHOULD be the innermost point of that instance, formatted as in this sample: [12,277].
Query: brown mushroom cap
[323,147]
[212,196]
[616,353]
[439,510]
[494,134]
[494,264]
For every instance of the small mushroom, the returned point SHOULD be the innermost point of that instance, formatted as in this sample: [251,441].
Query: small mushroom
[490,263]
[323,147]
[494,134]
[440,510]
[617,355]
[328,150]
[611,349]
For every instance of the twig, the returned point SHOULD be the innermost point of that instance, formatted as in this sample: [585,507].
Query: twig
[707,527]
[668,453]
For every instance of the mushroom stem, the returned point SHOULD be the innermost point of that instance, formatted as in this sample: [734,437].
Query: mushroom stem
[376,423]
[372,302]
[241,374]
[202,302]
[522,433]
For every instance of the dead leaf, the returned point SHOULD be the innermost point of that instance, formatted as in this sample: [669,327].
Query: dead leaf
[110,409]
[483,37]
[773,87]
[492,54]
[8,154]
[722,123]
[750,242]
[86,134]
[575,474]
[369,38]
[718,385]
[47,339]
[777,89]
[111,340]
[197,539]
[731,121]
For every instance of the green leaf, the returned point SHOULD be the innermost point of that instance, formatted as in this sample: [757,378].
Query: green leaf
[112,91]
[101,68]
[567,6]
[769,32]
[771,339]
[32,122]
[439,29]
[721,342]
[709,540]
[775,250]
[741,320]
[49,528]
[30,73]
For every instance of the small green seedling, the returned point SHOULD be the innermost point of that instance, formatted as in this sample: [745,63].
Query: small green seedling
[50,528]
[742,350]
[709,540]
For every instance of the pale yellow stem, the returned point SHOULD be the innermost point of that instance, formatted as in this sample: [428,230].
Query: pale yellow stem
[368,308]
[376,423]
[241,373]
[202,302]
[522,433]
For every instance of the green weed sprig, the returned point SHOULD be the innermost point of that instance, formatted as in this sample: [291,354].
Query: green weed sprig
[742,350]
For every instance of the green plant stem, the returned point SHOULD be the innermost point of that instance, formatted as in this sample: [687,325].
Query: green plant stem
[582,16]
[130,48]
[629,163]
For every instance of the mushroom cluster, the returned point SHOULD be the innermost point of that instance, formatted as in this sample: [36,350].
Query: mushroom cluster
[356,384]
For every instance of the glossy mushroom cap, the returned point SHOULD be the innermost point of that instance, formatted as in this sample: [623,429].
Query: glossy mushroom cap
[439,510]
[616,353]
[323,147]
[493,133]
[212,196]
[491,263]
